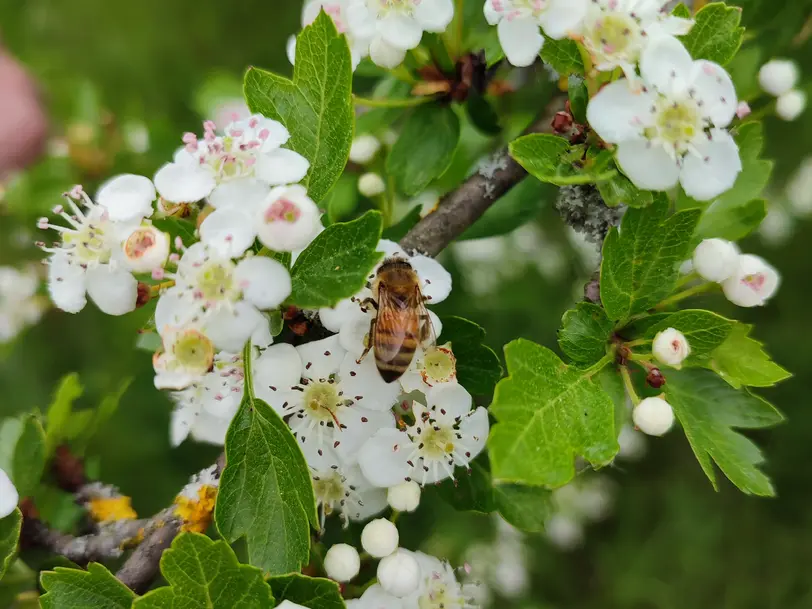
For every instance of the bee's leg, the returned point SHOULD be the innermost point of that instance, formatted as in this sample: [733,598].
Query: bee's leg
[370,341]
[368,301]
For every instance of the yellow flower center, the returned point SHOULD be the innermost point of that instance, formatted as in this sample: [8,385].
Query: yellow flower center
[437,443]
[329,490]
[439,365]
[193,350]
[612,36]
[322,402]
[216,282]
[678,123]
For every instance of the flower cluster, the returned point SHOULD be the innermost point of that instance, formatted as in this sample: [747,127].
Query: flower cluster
[746,280]
[384,31]
[779,77]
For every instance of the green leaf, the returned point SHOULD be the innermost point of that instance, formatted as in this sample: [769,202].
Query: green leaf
[316,106]
[525,507]
[56,418]
[584,333]
[478,367]
[471,492]
[731,222]
[310,592]
[397,231]
[563,55]
[266,494]
[639,266]
[704,330]
[425,148]
[81,434]
[177,227]
[579,98]
[22,452]
[681,11]
[716,35]
[709,410]
[276,322]
[548,413]
[742,362]
[337,263]
[520,205]
[482,114]
[620,191]
[9,539]
[95,588]
[148,341]
[550,158]
[343,199]
[206,573]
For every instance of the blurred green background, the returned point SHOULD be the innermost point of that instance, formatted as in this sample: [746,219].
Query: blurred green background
[671,542]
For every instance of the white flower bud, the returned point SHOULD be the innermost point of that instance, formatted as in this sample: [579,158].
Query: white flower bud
[8,495]
[753,283]
[671,347]
[342,562]
[564,532]
[653,416]
[146,248]
[404,497]
[371,185]
[364,148]
[399,574]
[380,538]
[790,105]
[716,259]
[778,76]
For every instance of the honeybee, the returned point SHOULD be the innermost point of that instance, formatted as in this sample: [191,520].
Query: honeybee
[402,323]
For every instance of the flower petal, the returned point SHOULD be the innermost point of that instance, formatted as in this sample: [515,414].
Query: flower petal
[228,232]
[321,358]
[521,40]
[113,291]
[563,17]
[278,368]
[265,282]
[183,417]
[648,166]
[173,310]
[364,380]
[450,401]
[666,64]
[400,31]
[715,171]
[354,332]
[66,284]
[181,183]
[229,330]
[8,495]
[383,458]
[617,113]
[127,197]
[244,195]
[333,318]
[434,279]
[474,430]
[714,87]
[384,54]
[281,166]
[434,15]
[210,429]
[361,424]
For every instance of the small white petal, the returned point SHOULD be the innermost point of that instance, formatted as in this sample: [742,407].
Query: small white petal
[180,424]
[434,279]
[354,332]
[66,284]
[617,113]
[290,50]
[563,17]
[361,425]
[521,40]
[173,310]
[370,502]
[364,379]
[383,458]
[384,54]
[334,318]
[127,197]
[8,495]
[390,249]
[648,166]
[452,398]
[209,429]
[228,232]
[707,176]
[492,16]
[184,183]
[113,291]
[321,358]
[474,430]
[287,220]
[264,281]
[714,87]
[400,31]
[667,65]
[281,166]
[434,15]
[244,195]
[229,330]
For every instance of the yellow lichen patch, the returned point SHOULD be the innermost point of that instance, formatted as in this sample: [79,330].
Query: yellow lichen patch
[196,513]
[110,509]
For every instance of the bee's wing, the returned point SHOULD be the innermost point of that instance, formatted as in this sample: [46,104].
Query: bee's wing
[393,326]
[427,336]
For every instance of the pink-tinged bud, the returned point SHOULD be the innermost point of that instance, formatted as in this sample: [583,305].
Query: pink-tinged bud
[146,249]
[753,283]
[716,259]
[562,122]
[671,347]
[743,109]
[655,378]
[282,210]
[189,138]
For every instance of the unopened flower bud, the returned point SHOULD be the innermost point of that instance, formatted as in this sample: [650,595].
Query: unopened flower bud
[371,185]
[342,562]
[671,347]
[404,497]
[399,574]
[655,378]
[778,76]
[790,105]
[8,495]
[364,148]
[143,295]
[562,122]
[753,283]
[146,248]
[716,259]
[380,538]
[653,416]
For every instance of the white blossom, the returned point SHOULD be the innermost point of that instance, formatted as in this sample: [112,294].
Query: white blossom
[186,357]
[8,495]
[653,416]
[127,197]
[364,148]
[615,32]
[444,435]
[716,259]
[392,28]
[518,23]
[753,283]
[671,347]
[673,130]
[380,538]
[19,304]
[250,148]
[778,76]
[89,259]
[342,562]
[790,105]
[371,184]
